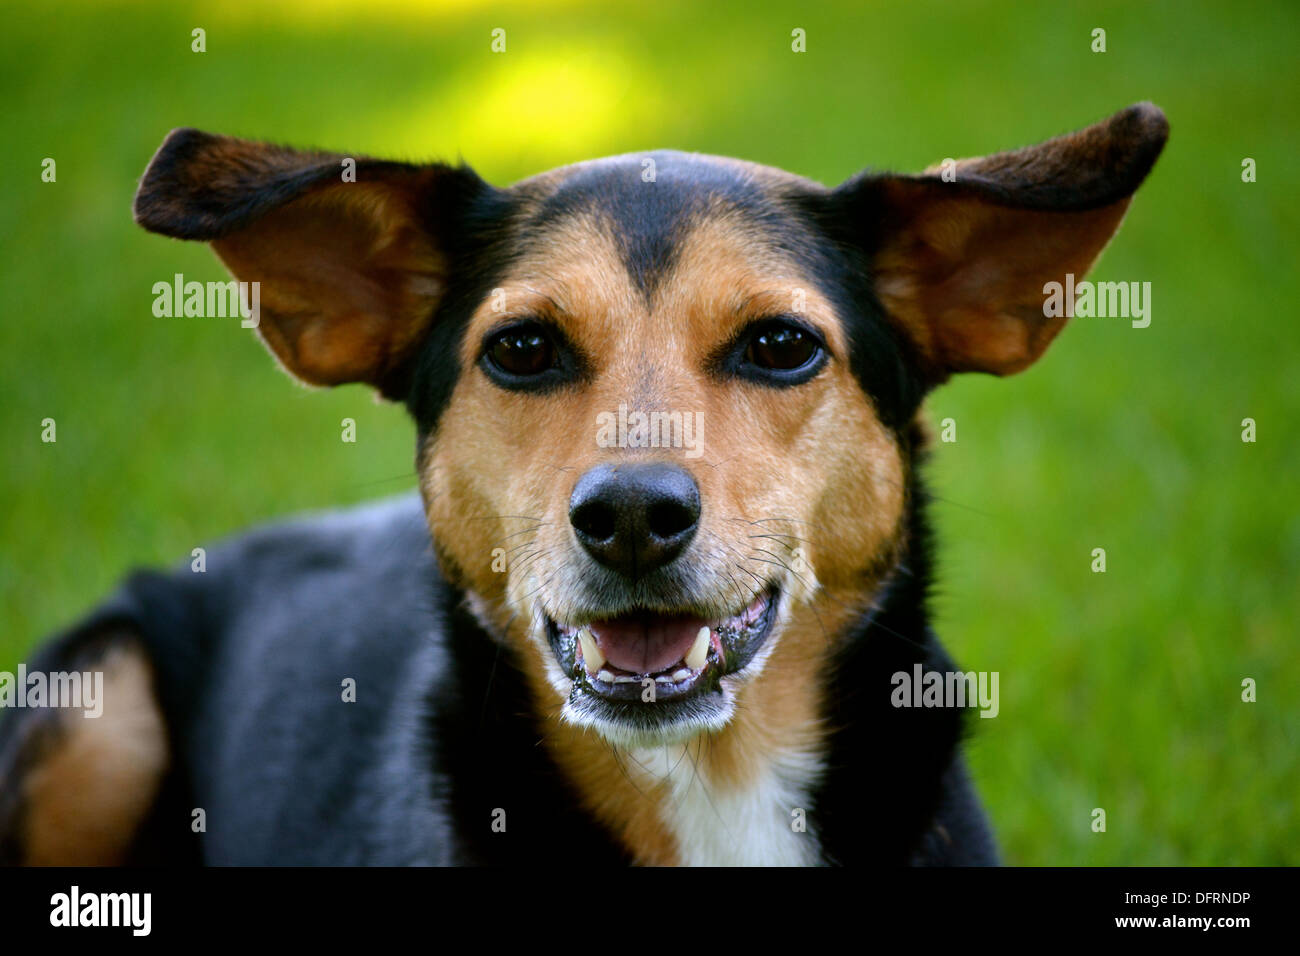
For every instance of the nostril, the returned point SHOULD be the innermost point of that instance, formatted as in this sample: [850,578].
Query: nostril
[671,518]
[634,518]
[595,520]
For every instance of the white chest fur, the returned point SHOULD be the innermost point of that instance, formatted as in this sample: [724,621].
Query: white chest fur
[764,823]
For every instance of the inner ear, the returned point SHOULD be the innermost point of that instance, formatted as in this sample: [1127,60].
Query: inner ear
[965,277]
[959,257]
[349,269]
[349,280]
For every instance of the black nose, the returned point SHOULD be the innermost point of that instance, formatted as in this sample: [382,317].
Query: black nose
[635,518]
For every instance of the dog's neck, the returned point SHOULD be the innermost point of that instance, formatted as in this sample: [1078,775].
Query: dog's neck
[814,766]
[737,796]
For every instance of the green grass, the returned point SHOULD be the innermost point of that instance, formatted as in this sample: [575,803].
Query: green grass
[1119,690]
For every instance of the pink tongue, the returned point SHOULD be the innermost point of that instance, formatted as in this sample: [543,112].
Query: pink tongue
[645,645]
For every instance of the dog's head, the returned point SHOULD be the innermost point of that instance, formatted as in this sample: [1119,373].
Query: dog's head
[665,401]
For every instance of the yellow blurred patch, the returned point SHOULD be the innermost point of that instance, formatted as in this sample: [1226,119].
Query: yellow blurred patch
[528,110]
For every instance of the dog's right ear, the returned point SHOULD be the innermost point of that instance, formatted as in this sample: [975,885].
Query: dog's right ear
[349,271]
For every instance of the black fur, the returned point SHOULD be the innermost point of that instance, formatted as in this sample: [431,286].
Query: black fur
[251,657]
[252,654]
[474,229]
[650,219]
[176,199]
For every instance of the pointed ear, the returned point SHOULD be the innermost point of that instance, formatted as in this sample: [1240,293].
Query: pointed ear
[960,263]
[349,272]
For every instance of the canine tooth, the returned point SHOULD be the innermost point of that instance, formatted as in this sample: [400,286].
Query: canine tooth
[699,654]
[606,676]
[591,655]
[681,675]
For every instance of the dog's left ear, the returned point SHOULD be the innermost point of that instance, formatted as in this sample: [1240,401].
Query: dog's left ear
[351,256]
[959,257]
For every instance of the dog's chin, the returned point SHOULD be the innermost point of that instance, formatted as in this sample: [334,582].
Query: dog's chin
[647,678]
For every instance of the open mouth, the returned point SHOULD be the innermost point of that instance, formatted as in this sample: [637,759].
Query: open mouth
[680,655]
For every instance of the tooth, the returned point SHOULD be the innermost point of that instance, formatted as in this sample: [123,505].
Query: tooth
[591,655]
[624,679]
[681,675]
[606,676]
[699,653]
[663,679]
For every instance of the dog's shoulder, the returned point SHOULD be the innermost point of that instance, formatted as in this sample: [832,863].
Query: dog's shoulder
[294,597]
[275,661]
[319,644]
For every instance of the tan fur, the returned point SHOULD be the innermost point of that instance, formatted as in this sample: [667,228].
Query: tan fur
[85,798]
[812,467]
[800,487]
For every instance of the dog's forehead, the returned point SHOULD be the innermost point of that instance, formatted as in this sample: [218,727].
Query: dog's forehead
[649,203]
[698,172]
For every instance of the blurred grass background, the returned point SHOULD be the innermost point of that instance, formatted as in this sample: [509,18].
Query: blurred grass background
[1119,690]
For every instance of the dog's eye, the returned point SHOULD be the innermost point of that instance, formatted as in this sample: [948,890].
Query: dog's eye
[523,351]
[780,346]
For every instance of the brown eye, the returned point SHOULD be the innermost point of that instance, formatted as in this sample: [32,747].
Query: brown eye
[781,347]
[522,351]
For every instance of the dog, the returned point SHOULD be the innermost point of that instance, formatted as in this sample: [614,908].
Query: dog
[669,550]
